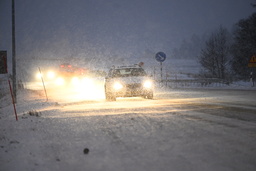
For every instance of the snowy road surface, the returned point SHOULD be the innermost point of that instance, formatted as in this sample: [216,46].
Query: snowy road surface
[178,130]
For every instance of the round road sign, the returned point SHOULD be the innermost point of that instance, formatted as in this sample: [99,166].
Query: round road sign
[160,56]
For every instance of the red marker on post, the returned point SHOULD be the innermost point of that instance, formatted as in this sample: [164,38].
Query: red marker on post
[4,59]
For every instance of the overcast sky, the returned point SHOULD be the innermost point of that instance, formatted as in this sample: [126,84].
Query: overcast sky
[101,28]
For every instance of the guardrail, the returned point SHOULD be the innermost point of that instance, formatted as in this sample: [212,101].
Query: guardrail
[193,83]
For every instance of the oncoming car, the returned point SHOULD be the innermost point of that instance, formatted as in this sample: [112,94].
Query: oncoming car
[64,75]
[128,81]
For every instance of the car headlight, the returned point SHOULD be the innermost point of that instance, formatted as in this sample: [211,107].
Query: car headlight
[60,81]
[50,75]
[75,81]
[39,75]
[117,86]
[87,81]
[148,84]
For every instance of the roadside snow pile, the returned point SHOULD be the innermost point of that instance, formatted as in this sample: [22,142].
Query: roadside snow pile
[20,140]
[28,102]
[243,84]
[238,85]
[209,84]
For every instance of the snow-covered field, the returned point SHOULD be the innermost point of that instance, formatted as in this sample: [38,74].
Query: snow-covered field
[178,130]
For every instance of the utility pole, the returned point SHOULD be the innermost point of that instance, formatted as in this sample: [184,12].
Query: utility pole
[13,53]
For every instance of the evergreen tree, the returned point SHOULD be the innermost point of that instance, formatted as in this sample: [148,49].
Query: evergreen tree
[244,46]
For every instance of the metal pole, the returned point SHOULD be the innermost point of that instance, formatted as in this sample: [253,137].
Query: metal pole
[10,86]
[253,77]
[166,77]
[14,107]
[154,73]
[161,71]
[13,53]
[43,83]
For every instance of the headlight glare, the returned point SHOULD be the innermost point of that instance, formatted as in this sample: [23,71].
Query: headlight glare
[51,75]
[75,81]
[148,84]
[39,75]
[118,86]
[60,81]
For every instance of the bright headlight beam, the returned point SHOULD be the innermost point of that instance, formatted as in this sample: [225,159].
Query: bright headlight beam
[60,81]
[87,81]
[50,74]
[39,75]
[75,81]
[118,86]
[148,84]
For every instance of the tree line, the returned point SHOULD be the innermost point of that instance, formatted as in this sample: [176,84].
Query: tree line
[224,54]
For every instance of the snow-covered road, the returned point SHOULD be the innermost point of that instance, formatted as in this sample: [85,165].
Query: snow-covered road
[178,130]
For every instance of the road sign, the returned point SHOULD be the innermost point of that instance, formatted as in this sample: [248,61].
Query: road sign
[252,62]
[160,56]
[3,62]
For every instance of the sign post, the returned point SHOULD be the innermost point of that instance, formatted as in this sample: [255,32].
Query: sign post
[13,53]
[3,63]
[252,64]
[4,70]
[160,57]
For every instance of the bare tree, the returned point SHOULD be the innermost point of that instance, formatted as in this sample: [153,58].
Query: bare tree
[214,58]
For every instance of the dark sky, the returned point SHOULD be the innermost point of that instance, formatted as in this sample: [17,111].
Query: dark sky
[102,28]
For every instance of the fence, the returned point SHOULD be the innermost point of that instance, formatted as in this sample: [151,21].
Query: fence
[193,83]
